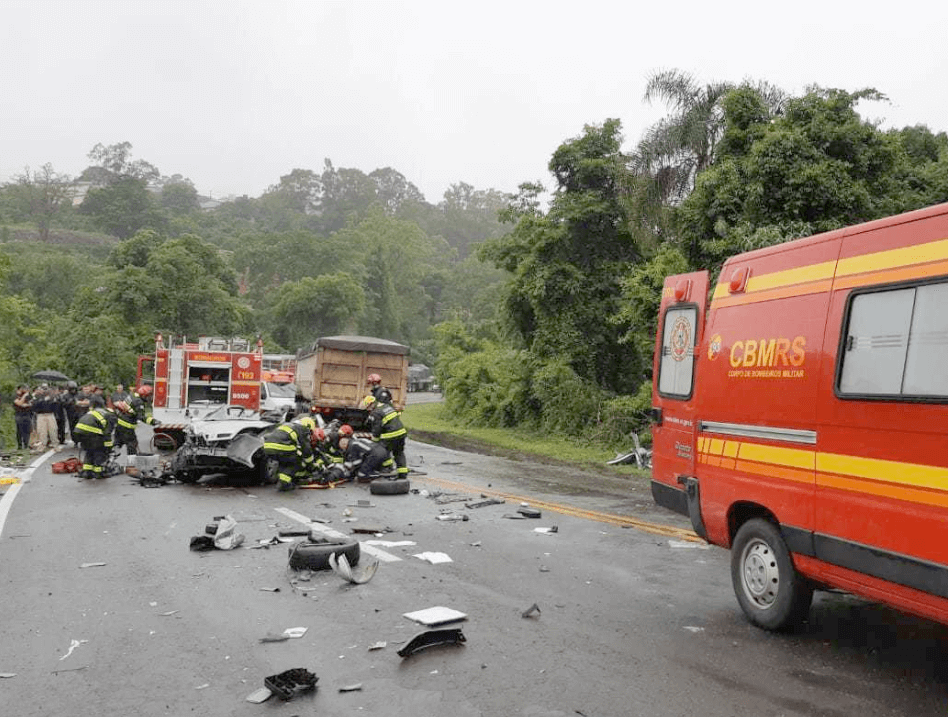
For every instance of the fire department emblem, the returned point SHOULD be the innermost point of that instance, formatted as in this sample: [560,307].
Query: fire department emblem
[714,347]
[680,339]
[243,362]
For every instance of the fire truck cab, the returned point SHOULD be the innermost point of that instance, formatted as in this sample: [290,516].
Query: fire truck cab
[800,416]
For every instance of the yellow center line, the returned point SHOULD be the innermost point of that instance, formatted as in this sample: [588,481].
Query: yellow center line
[618,520]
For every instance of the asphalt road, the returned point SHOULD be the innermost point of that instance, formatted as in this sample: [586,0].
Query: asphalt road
[631,620]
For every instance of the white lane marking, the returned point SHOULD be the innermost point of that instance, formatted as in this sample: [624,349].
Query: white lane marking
[330,533]
[25,476]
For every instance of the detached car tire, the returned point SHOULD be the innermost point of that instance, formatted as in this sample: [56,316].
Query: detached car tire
[389,486]
[314,554]
[768,587]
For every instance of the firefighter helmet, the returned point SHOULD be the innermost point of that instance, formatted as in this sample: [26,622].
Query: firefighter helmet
[308,422]
[367,403]
[143,391]
[345,430]
[319,434]
[374,378]
[385,396]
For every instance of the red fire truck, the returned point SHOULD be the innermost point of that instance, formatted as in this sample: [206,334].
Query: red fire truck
[191,379]
[801,417]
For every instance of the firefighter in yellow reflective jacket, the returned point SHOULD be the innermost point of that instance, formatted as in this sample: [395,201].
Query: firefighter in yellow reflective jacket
[94,435]
[386,425]
[128,414]
[291,446]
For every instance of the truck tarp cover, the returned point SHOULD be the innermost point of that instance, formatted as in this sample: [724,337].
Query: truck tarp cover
[361,343]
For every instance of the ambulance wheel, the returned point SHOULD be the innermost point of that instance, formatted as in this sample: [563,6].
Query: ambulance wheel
[314,554]
[389,486]
[771,592]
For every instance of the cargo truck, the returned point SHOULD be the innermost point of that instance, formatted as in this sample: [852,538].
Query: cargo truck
[332,379]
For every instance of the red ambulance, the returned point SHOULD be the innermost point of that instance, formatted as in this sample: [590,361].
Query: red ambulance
[801,419]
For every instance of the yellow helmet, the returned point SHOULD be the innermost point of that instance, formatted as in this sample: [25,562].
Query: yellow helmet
[308,422]
[367,402]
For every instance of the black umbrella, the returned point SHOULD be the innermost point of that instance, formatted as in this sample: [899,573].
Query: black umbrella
[48,375]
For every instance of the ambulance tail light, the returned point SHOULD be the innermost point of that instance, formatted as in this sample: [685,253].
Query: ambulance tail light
[738,280]
[682,290]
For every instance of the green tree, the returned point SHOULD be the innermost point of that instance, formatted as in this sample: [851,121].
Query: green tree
[40,196]
[312,307]
[565,265]
[179,197]
[122,207]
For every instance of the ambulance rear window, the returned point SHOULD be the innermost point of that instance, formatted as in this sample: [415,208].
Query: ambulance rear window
[896,344]
[677,365]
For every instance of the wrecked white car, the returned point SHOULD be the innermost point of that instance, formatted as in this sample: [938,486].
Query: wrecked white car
[226,441]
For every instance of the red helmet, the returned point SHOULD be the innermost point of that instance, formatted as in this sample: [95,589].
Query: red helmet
[374,378]
[345,430]
[144,391]
[319,434]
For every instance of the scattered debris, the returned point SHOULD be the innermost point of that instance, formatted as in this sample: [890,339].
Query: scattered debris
[476,544]
[692,628]
[259,696]
[5,675]
[295,632]
[482,503]
[424,640]
[286,685]
[362,504]
[351,688]
[372,531]
[544,569]
[378,646]
[435,616]
[531,611]
[391,543]
[548,531]
[204,686]
[275,637]
[514,516]
[433,557]
[452,516]
[92,565]
[340,566]
[169,613]
[270,590]
[72,646]
[68,669]
[220,535]
[293,533]
[528,512]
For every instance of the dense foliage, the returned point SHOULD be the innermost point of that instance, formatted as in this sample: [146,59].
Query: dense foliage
[537,310]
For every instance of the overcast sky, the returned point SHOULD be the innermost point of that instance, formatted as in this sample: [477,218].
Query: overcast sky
[234,93]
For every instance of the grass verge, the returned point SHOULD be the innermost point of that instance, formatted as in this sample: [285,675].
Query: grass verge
[428,422]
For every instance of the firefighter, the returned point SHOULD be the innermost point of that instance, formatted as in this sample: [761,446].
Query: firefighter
[386,425]
[73,410]
[363,458]
[291,446]
[94,435]
[128,414]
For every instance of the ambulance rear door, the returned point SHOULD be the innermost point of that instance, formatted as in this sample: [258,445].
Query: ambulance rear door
[680,328]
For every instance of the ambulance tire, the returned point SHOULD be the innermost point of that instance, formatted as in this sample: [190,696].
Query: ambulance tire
[390,486]
[314,554]
[772,594]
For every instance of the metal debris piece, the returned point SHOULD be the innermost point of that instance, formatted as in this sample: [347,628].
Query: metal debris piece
[258,696]
[435,615]
[451,517]
[275,637]
[271,590]
[351,688]
[482,503]
[4,675]
[361,504]
[92,565]
[169,613]
[431,638]
[514,516]
[340,566]
[434,558]
[294,533]
[295,632]
[286,685]
[377,646]
[548,531]
[531,611]
[528,512]
[72,646]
